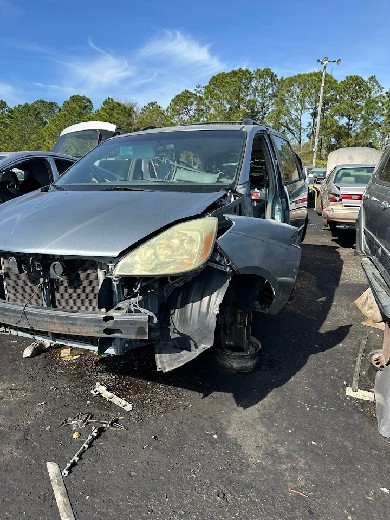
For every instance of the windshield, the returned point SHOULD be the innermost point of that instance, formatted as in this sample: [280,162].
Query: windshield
[77,143]
[200,160]
[358,175]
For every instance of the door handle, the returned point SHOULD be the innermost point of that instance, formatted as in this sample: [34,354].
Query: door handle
[385,205]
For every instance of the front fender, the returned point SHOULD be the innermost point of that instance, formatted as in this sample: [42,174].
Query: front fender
[265,248]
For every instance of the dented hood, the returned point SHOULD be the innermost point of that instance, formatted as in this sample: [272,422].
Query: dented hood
[92,223]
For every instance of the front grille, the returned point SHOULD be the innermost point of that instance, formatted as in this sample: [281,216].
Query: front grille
[77,291]
[20,289]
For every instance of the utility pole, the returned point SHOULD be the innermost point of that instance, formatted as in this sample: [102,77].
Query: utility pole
[324,62]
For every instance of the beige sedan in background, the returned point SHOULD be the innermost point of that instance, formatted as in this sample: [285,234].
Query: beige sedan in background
[341,194]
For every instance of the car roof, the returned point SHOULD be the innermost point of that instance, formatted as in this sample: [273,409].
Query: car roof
[353,166]
[247,125]
[89,125]
[32,153]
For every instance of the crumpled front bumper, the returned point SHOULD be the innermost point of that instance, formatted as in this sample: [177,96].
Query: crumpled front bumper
[118,324]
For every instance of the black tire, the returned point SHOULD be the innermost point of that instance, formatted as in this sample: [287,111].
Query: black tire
[240,361]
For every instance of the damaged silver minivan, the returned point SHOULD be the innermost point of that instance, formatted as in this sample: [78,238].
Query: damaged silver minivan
[167,236]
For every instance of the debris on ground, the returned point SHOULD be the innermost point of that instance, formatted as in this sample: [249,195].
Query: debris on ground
[110,396]
[96,432]
[76,457]
[78,421]
[37,347]
[81,420]
[369,323]
[367,305]
[365,395]
[66,354]
[60,493]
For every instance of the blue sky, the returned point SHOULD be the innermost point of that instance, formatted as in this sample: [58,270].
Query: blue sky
[151,50]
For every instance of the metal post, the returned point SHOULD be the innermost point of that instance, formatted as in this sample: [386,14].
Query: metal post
[324,62]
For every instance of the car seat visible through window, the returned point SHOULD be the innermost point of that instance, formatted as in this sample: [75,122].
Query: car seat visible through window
[9,186]
[36,175]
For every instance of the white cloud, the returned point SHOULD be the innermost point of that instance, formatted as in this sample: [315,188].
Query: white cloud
[180,49]
[96,73]
[157,71]
[176,62]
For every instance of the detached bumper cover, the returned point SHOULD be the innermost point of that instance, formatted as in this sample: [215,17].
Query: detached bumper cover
[56,321]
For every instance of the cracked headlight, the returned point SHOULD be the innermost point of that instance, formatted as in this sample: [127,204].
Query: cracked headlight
[177,250]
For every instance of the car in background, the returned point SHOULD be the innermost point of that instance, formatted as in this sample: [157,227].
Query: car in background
[316,175]
[166,237]
[306,171]
[22,172]
[352,155]
[341,195]
[81,138]
[314,180]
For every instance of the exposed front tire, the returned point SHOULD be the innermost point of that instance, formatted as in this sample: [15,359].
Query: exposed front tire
[238,360]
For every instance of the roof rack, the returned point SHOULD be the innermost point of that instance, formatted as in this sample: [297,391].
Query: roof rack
[246,121]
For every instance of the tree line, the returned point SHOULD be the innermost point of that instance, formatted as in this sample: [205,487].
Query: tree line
[355,111]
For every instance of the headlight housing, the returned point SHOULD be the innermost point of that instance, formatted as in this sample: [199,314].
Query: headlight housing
[177,250]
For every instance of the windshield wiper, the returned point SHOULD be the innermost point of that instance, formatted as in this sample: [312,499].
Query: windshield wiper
[55,186]
[122,188]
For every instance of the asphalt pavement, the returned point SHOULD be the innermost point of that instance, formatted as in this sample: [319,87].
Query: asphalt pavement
[283,442]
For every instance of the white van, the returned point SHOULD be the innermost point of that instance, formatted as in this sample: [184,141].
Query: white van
[352,155]
[79,139]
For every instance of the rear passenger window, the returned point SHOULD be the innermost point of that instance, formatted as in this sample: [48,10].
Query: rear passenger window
[290,169]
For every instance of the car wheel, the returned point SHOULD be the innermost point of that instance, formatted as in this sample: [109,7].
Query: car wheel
[238,360]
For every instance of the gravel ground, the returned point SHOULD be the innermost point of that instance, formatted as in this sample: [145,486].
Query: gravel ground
[282,442]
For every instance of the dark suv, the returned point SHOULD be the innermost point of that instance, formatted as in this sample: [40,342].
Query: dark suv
[168,236]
